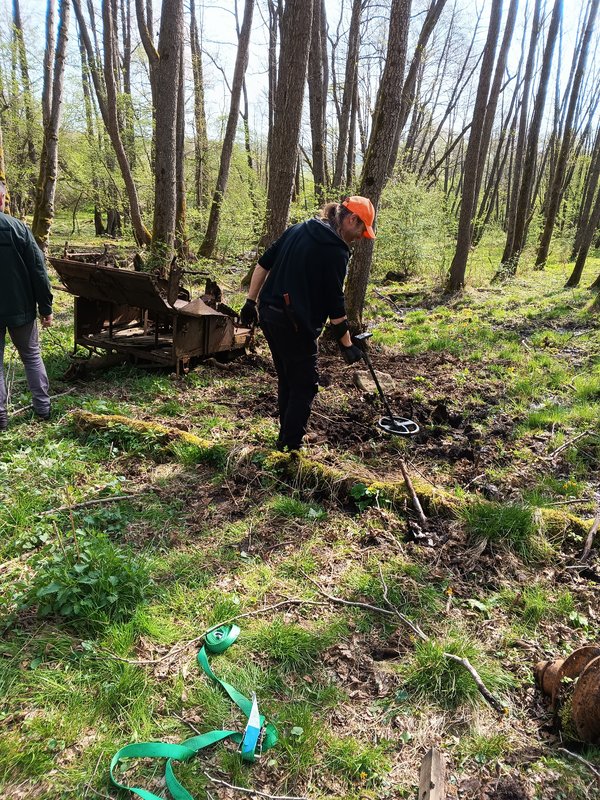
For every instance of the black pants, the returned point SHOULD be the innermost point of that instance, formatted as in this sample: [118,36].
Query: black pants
[295,358]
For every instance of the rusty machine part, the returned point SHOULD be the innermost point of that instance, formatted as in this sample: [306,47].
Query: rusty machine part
[145,318]
[575,680]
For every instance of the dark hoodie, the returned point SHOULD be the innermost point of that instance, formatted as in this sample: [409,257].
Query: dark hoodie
[308,263]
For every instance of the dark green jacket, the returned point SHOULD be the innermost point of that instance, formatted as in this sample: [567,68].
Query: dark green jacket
[24,283]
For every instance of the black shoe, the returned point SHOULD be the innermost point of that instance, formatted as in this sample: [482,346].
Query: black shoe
[3,425]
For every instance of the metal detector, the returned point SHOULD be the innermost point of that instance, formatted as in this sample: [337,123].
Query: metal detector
[399,426]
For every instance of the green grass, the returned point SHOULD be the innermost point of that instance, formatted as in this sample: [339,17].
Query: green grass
[506,525]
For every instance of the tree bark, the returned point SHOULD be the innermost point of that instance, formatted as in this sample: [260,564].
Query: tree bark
[473,158]
[377,162]
[586,241]
[350,77]
[317,96]
[201,137]
[296,26]
[44,207]
[241,62]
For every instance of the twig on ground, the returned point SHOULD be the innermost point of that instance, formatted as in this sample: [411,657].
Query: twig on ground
[485,692]
[99,501]
[251,791]
[577,757]
[93,776]
[30,406]
[189,724]
[415,500]
[464,662]
[99,794]
[412,625]
[398,309]
[589,542]
[143,662]
[564,446]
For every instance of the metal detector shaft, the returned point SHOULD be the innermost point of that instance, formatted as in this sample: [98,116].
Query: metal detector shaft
[384,399]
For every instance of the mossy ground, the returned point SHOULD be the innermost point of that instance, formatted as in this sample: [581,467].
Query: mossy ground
[500,378]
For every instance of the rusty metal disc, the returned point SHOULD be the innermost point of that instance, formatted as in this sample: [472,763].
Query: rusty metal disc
[545,673]
[586,703]
[573,666]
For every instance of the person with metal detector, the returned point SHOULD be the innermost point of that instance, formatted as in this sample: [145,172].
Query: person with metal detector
[296,286]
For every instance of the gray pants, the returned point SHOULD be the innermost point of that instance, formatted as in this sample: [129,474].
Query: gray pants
[25,339]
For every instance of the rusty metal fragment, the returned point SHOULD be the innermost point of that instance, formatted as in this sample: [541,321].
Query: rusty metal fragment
[573,684]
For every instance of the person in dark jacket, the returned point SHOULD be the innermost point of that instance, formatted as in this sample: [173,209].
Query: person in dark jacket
[297,285]
[24,290]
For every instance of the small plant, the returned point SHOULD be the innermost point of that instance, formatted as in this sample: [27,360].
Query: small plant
[357,763]
[365,497]
[89,581]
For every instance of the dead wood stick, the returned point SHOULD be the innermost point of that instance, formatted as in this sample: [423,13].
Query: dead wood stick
[567,444]
[26,408]
[581,759]
[100,500]
[251,791]
[413,626]
[485,692]
[149,661]
[415,500]
[587,548]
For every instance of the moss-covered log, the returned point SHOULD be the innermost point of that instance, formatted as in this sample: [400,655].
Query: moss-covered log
[308,475]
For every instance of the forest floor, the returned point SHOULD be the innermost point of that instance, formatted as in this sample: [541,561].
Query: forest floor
[504,381]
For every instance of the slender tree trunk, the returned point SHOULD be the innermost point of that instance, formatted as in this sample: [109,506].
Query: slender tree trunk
[351,75]
[317,96]
[26,83]
[379,152]
[525,191]
[241,62]
[293,60]
[589,192]
[201,137]
[563,155]
[106,96]
[586,241]
[170,44]
[44,207]
[473,159]
[408,90]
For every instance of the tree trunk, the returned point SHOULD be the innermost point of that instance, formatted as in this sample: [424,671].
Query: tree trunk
[408,90]
[44,206]
[241,62]
[106,96]
[473,158]
[26,84]
[555,191]
[201,138]
[517,171]
[589,192]
[522,210]
[317,96]
[293,60]
[586,241]
[351,75]
[379,152]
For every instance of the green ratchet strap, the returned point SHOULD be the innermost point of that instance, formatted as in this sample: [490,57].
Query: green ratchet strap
[217,641]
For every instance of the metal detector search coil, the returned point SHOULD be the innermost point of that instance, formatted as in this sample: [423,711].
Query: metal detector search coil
[398,426]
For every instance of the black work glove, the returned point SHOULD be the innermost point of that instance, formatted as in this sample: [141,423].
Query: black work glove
[351,354]
[249,314]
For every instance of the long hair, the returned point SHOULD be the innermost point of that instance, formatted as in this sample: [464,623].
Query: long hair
[333,214]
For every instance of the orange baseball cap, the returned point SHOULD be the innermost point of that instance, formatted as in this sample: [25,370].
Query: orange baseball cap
[363,208]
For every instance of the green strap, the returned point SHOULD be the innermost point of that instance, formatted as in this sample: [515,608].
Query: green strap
[216,641]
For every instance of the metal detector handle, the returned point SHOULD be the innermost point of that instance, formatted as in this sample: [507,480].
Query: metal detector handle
[361,339]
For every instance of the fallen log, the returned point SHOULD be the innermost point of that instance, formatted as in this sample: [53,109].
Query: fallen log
[310,475]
